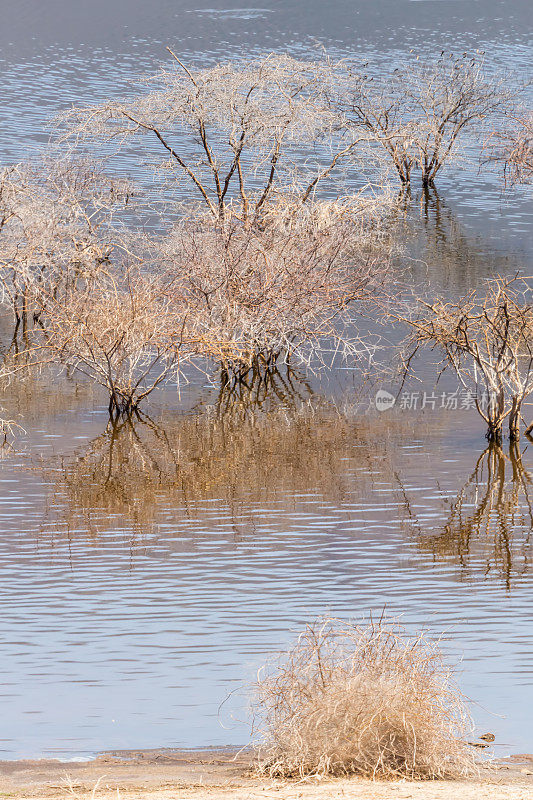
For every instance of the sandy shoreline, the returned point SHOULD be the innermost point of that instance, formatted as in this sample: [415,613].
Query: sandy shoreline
[224,775]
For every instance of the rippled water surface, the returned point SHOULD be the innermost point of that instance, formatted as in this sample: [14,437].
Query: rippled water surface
[147,570]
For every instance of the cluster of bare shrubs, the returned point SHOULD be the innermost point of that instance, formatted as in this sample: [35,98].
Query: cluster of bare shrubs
[245,299]
[234,132]
[367,700]
[65,270]
[265,270]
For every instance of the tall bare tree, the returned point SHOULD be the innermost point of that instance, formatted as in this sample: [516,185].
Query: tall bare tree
[234,132]
[421,110]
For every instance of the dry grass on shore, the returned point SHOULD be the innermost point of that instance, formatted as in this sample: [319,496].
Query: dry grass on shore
[363,700]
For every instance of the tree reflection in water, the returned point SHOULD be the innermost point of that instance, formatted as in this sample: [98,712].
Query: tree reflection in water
[453,258]
[258,391]
[490,521]
[139,475]
[238,466]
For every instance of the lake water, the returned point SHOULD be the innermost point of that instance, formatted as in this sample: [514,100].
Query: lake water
[146,572]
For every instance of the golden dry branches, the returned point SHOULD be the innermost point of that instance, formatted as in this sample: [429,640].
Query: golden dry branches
[362,699]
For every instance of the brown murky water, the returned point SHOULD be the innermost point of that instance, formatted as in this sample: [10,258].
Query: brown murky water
[147,570]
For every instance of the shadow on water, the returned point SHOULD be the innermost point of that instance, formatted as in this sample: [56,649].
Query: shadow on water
[489,523]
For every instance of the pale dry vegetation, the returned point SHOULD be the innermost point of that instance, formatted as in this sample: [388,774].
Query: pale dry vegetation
[289,291]
[245,266]
[120,330]
[486,340]
[263,273]
[420,111]
[368,700]
[232,133]
[55,230]
[512,149]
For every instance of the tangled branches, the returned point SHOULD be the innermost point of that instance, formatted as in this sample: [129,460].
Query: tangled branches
[368,700]
[486,339]
[120,330]
[231,132]
[55,219]
[513,149]
[286,290]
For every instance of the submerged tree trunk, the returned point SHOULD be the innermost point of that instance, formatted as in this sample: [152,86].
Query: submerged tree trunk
[514,420]
[495,414]
[494,433]
[120,405]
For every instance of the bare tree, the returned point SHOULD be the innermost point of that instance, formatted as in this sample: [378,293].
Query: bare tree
[64,266]
[233,132]
[288,291]
[420,111]
[486,339]
[120,330]
[512,149]
[55,221]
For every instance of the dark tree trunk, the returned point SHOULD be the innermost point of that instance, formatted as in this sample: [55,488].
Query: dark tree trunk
[514,421]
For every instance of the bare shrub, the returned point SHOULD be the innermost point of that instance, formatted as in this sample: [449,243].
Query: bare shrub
[362,699]
[233,132]
[54,229]
[486,340]
[288,290]
[420,111]
[8,429]
[120,331]
[512,149]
